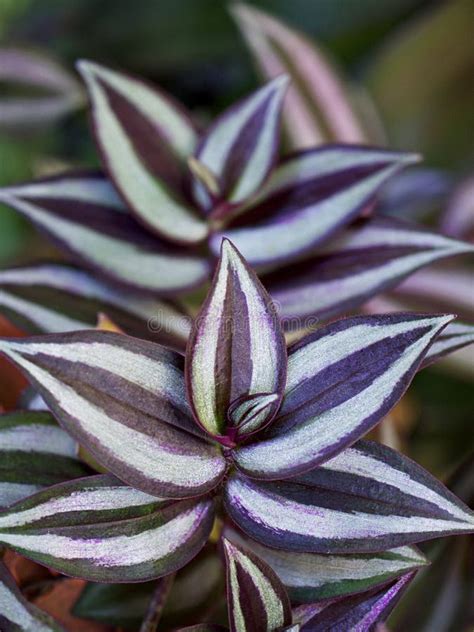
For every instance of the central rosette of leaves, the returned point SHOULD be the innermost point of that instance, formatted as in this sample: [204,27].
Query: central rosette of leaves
[236,372]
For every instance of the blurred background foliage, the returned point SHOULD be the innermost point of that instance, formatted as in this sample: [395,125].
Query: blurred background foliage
[414,57]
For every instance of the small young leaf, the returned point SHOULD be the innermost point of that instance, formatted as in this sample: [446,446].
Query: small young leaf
[257,600]
[236,349]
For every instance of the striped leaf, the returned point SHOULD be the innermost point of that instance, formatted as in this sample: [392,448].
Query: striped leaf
[144,139]
[53,298]
[34,453]
[236,350]
[359,613]
[256,598]
[311,577]
[310,196]
[367,259]
[124,400]
[454,337]
[241,147]
[16,613]
[318,105]
[100,529]
[84,216]
[342,380]
[367,499]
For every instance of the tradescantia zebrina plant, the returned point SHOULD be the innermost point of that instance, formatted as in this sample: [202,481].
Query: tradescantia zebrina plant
[244,430]
[153,220]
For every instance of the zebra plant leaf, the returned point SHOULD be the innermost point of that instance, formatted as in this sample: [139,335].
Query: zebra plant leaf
[310,577]
[308,198]
[17,614]
[455,336]
[54,298]
[84,216]
[241,147]
[366,259]
[144,139]
[366,499]
[257,600]
[34,453]
[359,613]
[238,338]
[124,400]
[102,530]
[318,103]
[342,380]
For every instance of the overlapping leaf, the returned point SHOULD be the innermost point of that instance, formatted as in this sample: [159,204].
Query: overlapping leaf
[241,147]
[144,138]
[123,399]
[367,259]
[17,614]
[310,577]
[103,530]
[236,353]
[310,196]
[85,216]
[34,453]
[367,499]
[454,337]
[342,380]
[360,613]
[318,104]
[53,298]
[257,600]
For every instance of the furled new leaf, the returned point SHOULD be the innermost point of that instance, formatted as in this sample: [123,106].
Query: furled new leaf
[257,600]
[310,196]
[124,400]
[342,380]
[34,453]
[100,529]
[366,499]
[236,350]
[84,215]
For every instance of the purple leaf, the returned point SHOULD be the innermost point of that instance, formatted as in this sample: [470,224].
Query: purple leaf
[241,147]
[83,214]
[309,197]
[342,380]
[17,614]
[124,400]
[257,600]
[144,139]
[236,350]
[367,259]
[99,529]
[366,499]
[454,337]
[360,613]
[53,298]
[318,103]
[34,453]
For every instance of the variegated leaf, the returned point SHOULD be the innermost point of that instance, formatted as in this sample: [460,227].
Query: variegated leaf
[34,453]
[342,380]
[366,499]
[310,196]
[257,600]
[100,529]
[454,337]
[124,400]
[241,147]
[368,258]
[359,613]
[318,105]
[83,214]
[144,138]
[17,614]
[236,350]
[53,298]
[311,577]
